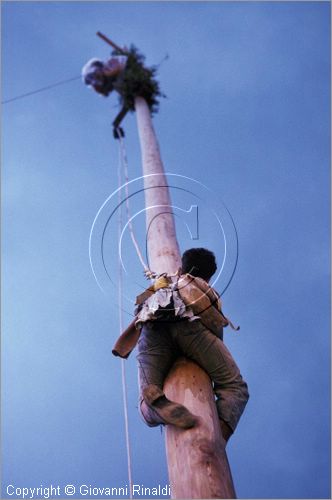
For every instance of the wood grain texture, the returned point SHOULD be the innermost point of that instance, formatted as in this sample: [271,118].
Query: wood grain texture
[197,462]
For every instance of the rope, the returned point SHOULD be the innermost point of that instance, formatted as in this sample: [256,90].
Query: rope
[124,162]
[123,368]
[48,87]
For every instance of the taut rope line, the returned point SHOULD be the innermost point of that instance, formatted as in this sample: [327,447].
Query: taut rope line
[121,327]
[124,163]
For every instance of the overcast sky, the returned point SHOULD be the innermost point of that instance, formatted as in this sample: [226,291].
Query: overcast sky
[247,114]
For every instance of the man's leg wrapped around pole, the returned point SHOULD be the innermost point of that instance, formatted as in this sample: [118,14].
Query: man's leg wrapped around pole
[199,344]
[156,354]
[197,461]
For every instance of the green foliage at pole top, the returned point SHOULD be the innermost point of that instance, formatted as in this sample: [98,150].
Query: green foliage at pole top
[138,81]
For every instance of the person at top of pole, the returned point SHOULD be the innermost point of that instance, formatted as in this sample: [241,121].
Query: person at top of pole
[125,74]
[183,317]
[102,76]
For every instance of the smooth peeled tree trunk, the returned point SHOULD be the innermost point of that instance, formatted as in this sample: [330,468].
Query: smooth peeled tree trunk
[163,249]
[197,462]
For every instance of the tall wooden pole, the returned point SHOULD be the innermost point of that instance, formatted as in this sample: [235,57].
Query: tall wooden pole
[197,461]
[163,249]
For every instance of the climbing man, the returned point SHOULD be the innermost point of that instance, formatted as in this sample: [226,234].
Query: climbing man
[184,318]
[126,74]
[104,78]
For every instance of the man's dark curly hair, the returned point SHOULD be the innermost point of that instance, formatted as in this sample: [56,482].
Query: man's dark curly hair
[199,262]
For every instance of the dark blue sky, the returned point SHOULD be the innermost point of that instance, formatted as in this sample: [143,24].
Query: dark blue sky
[247,114]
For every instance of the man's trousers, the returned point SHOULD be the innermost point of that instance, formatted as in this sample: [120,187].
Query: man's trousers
[161,343]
